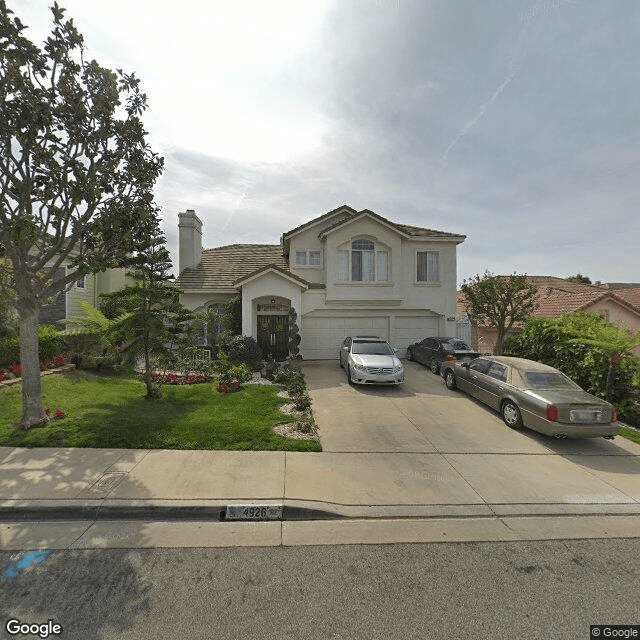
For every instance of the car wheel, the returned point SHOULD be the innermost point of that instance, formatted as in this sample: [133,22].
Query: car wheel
[435,367]
[450,380]
[340,363]
[511,414]
[409,355]
[349,380]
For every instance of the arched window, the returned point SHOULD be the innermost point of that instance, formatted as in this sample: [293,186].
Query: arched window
[363,262]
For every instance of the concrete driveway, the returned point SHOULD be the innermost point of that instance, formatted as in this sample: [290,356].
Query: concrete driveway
[423,444]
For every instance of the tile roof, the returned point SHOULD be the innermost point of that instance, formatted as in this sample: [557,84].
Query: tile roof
[348,211]
[423,231]
[631,295]
[557,296]
[404,228]
[268,267]
[222,266]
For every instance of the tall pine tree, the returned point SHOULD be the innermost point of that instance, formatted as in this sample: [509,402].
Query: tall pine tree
[156,321]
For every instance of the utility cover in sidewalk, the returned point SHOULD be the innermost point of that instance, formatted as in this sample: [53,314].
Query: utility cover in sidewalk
[254,512]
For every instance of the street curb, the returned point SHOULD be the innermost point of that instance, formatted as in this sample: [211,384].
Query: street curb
[215,511]
[147,513]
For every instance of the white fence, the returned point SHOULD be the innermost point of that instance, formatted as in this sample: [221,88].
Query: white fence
[463,329]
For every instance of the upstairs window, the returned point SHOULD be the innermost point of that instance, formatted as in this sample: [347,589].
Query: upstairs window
[363,263]
[81,282]
[307,258]
[428,268]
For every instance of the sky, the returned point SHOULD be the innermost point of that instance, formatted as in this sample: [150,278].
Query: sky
[512,122]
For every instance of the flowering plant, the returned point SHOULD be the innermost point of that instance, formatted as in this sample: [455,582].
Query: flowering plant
[59,361]
[59,413]
[16,369]
[173,378]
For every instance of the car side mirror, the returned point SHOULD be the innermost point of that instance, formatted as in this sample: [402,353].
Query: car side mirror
[395,351]
[465,363]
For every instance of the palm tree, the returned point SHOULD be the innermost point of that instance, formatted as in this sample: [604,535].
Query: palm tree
[616,342]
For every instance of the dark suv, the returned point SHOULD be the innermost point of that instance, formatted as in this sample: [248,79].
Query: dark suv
[431,352]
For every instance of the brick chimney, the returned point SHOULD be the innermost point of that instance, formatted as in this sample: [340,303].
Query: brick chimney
[190,232]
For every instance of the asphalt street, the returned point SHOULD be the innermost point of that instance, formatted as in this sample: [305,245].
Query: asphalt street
[545,590]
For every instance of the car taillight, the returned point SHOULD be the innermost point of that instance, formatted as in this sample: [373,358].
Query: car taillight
[614,415]
[552,413]
[450,359]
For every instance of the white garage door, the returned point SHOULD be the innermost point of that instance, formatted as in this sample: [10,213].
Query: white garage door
[410,329]
[322,336]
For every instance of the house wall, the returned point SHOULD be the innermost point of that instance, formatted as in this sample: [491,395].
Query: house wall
[197,301]
[402,287]
[401,309]
[76,295]
[109,281]
[267,284]
[618,315]
[57,308]
[308,240]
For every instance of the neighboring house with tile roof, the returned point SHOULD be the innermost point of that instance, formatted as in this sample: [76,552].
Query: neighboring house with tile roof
[345,273]
[556,297]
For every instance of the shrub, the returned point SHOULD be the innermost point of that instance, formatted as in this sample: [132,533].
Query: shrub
[302,402]
[50,342]
[242,349]
[282,375]
[16,369]
[295,384]
[233,315]
[549,341]
[9,350]
[294,335]
[241,373]
[228,373]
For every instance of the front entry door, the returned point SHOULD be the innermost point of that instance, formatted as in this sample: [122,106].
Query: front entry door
[273,336]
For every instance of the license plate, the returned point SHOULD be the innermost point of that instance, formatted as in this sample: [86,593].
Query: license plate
[254,512]
[585,416]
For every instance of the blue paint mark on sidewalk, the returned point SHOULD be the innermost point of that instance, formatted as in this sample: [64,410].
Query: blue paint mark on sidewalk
[33,557]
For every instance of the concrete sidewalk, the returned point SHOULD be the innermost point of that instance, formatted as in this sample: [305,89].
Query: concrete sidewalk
[88,498]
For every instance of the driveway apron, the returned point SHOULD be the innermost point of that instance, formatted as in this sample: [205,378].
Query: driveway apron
[421,443]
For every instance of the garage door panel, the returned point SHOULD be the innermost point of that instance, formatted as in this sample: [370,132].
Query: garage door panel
[412,329]
[322,337]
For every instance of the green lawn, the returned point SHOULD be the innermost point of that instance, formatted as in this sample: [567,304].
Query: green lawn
[630,434]
[111,411]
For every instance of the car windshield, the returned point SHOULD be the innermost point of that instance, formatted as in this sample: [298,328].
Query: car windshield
[548,380]
[372,348]
[456,345]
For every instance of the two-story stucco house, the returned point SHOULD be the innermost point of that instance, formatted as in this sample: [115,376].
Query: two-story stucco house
[345,273]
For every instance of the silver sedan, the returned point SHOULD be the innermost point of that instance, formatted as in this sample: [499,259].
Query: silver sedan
[534,395]
[369,360]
